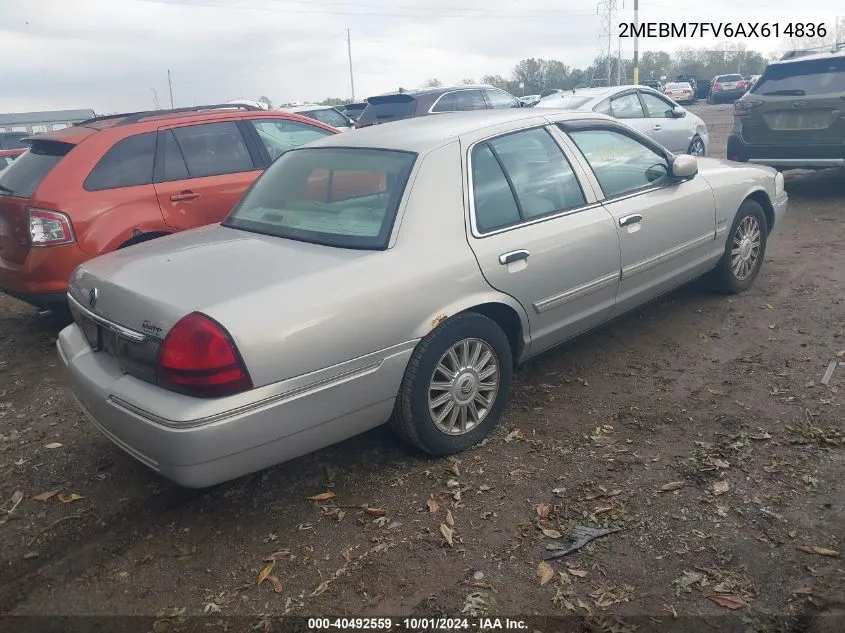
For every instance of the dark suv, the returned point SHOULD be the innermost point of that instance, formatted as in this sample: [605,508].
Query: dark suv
[794,116]
[413,103]
[13,140]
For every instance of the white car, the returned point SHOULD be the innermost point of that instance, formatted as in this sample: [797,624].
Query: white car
[645,109]
[680,92]
[529,100]
[324,114]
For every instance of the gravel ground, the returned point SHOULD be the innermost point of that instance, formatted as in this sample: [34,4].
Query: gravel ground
[697,425]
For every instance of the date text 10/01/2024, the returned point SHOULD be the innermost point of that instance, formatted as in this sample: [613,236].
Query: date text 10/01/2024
[722,29]
[416,624]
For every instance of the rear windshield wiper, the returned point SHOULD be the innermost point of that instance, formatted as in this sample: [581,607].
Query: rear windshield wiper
[785,93]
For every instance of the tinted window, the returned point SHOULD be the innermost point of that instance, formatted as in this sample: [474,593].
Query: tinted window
[128,163]
[12,141]
[495,205]
[811,77]
[621,164]
[499,99]
[460,101]
[540,174]
[211,149]
[5,161]
[173,163]
[345,197]
[388,108]
[280,135]
[656,107]
[729,78]
[604,108]
[24,175]
[626,107]
[329,116]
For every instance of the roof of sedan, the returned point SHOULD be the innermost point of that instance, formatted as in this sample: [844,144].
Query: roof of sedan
[423,134]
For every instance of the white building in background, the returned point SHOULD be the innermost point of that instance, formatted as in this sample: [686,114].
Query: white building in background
[37,122]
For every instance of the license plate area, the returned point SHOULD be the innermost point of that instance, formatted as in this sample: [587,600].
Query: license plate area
[92,332]
[799,120]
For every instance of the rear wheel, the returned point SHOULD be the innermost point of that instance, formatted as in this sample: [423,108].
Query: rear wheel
[744,250]
[455,386]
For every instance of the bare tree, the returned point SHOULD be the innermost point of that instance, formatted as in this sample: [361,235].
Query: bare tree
[266,101]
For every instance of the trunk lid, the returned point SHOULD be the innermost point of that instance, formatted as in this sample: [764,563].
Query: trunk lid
[149,287]
[18,184]
[802,102]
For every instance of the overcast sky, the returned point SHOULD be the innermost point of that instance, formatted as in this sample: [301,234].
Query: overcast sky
[113,55]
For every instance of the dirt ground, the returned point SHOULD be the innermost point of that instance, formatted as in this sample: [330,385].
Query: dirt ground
[698,425]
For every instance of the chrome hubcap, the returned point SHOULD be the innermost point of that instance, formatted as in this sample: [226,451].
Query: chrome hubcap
[463,386]
[697,148]
[746,248]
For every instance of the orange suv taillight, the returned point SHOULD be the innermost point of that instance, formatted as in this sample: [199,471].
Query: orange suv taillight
[49,228]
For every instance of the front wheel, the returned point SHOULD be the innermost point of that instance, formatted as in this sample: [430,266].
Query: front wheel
[696,147]
[744,250]
[455,386]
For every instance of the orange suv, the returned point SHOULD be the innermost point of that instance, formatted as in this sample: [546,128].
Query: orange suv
[114,181]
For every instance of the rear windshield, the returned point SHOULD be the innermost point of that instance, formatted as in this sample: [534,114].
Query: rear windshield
[329,116]
[23,176]
[730,78]
[344,197]
[678,86]
[569,102]
[12,141]
[388,108]
[803,78]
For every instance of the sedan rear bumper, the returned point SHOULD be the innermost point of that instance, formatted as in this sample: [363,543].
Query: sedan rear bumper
[235,441]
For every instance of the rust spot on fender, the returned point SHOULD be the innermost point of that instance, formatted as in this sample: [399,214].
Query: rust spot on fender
[438,320]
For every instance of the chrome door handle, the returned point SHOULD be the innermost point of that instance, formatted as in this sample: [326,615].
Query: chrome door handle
[513,256]
[630,219]
[657,128]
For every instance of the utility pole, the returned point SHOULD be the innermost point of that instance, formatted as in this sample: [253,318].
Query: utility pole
[619,65]
[607,10]
[636,42]
[349,50]
[170,87]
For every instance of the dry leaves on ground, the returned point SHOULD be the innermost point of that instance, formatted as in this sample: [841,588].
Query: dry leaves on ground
[447,533]
[71,497]
[277,584]
[53,445]
[551,533]
[729,602]
[275,556]
[376,512]
[450,520]
[672,485]
[720,487]
[543,510]
[323,496]
[45,496]
[545,573]
[264,573]
[821,551]
[432,506]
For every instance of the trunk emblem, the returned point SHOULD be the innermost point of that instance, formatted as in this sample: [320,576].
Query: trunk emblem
[799,104]
[93,295]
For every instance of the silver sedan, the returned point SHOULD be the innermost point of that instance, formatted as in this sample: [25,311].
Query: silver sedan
[399,273]
[644,109]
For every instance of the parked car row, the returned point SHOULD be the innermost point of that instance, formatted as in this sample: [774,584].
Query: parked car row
[8,155]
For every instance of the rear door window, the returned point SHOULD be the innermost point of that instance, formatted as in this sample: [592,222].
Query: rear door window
[627,107]
[23,176]
[656,107]
[460,101]
[803,78]
[173,165]
[329,116]
[499,99]
[128,163]
[213,149]
[279,135]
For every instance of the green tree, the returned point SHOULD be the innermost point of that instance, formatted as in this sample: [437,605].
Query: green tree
[432,83]
[266,101]
[334,101]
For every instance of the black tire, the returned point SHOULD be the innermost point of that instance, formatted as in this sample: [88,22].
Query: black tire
[695,139]
[723,276]
[411,417]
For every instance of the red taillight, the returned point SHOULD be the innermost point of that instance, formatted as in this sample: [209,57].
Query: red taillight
[744,106]
[686,92]
[198,358]
[49,228]
[717,86]
[667,92]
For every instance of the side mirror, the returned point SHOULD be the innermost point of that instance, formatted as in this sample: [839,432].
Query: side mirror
[678,112]
[684,166]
